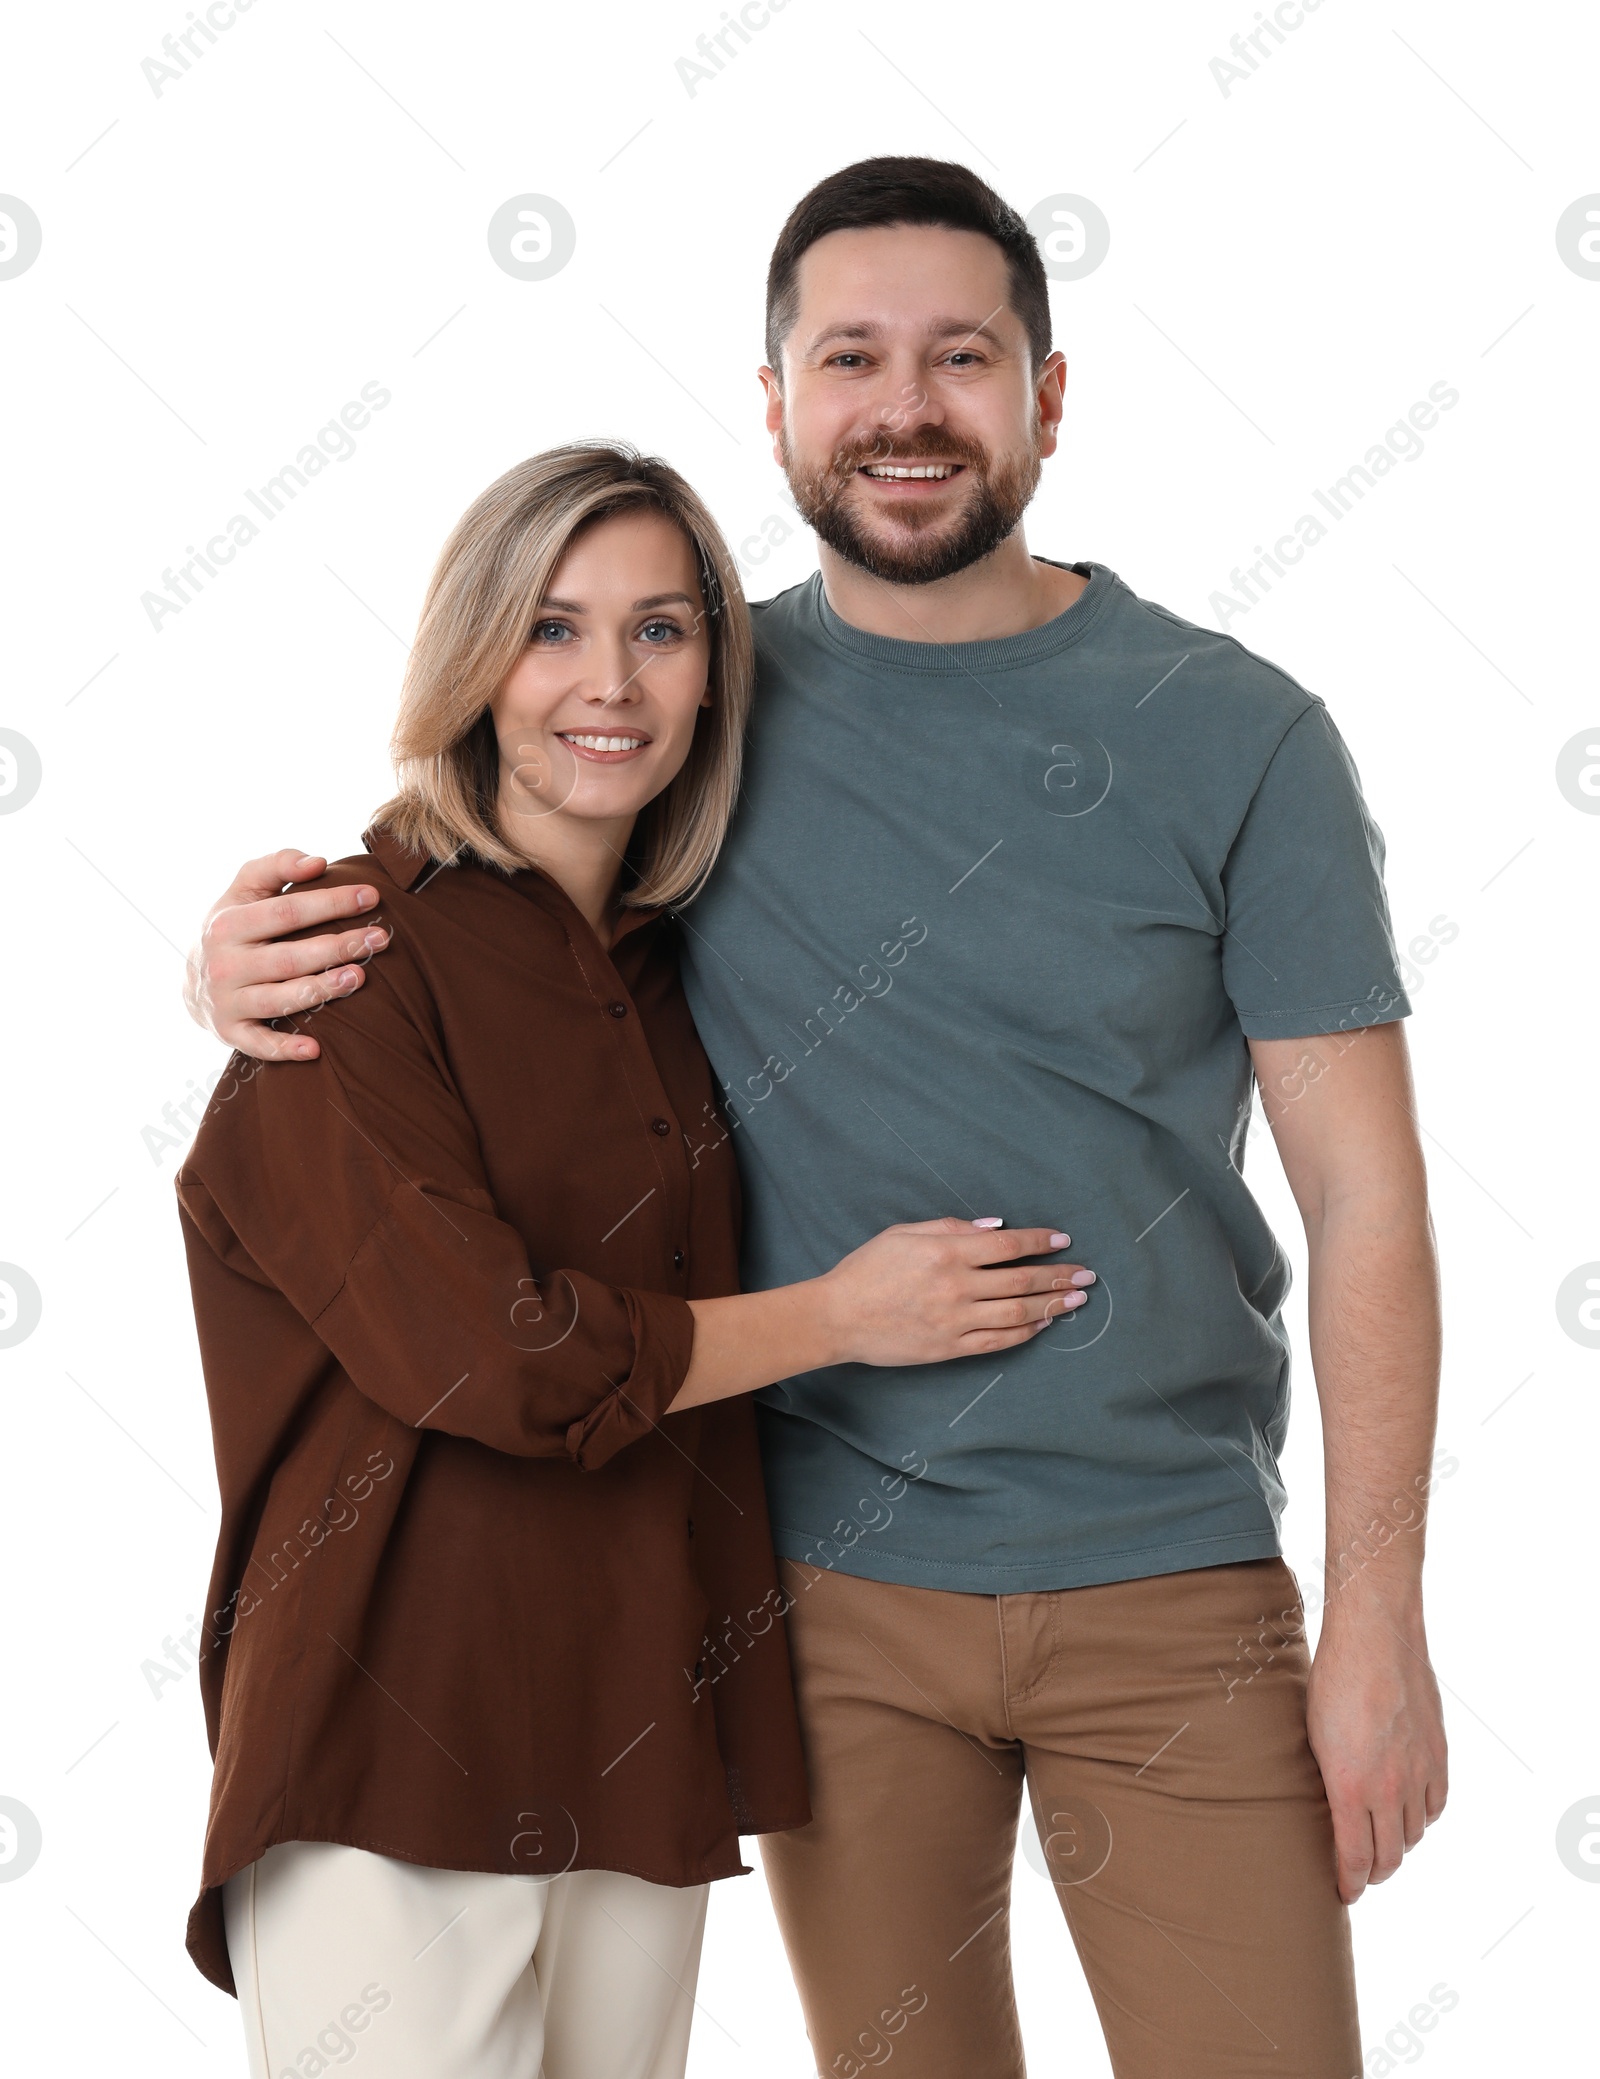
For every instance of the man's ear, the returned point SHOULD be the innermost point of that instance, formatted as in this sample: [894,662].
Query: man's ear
[771,384]
[1049,391]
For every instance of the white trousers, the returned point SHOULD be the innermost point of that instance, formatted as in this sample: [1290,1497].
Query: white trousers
[343,1956]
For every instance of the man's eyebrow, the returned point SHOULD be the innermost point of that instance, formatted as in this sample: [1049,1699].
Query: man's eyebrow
[936,328]
[860,330]
[969,328]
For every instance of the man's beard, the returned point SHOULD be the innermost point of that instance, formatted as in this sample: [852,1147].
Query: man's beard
[926,545]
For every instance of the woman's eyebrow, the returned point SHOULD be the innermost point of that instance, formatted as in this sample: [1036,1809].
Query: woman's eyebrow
[570,606]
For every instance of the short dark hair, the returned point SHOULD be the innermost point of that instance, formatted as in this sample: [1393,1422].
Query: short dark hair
[907,191]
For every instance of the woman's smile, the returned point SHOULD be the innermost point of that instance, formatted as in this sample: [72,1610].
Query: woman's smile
[612,749]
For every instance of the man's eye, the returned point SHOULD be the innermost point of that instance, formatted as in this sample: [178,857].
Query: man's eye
[963,357]
[839,360]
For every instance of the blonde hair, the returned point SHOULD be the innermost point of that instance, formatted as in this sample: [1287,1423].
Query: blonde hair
[476,621]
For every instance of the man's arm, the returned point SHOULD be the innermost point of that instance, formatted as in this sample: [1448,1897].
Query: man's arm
[239,975]
[1341,1109]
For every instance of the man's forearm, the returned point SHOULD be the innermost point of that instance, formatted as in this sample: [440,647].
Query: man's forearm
[1343,1114]
[1374,1323]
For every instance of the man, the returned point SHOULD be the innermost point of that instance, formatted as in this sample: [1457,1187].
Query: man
[1029,877]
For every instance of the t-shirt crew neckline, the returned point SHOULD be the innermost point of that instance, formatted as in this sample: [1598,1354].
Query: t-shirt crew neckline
[999,653]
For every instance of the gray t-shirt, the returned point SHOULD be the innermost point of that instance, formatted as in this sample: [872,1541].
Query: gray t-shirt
[991,927]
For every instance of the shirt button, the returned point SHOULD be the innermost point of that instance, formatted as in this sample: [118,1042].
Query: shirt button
[677,1259]
[660,1125]
[617,1010]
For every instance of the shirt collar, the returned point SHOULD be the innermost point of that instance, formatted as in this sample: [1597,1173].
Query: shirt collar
[399,862]
[406,868]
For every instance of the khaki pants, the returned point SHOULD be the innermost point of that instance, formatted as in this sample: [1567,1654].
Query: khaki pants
[1160,1727]
[414,1973]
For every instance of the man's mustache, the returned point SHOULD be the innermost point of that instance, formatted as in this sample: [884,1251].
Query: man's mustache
[884,447]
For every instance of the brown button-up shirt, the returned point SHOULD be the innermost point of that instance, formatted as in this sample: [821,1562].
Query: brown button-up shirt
[478,1601]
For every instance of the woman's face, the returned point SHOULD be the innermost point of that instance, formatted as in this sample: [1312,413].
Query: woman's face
[598,714]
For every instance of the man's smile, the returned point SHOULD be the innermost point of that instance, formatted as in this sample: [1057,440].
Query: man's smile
[909,483]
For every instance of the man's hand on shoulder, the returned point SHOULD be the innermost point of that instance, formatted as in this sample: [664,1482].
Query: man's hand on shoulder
[245,968]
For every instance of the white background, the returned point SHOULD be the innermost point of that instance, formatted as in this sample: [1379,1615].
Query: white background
[1292,264]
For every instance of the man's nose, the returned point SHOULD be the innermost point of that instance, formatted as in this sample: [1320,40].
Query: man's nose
[907,403]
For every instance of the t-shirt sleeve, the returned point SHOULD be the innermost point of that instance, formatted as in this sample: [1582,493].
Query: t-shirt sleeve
[1308,945]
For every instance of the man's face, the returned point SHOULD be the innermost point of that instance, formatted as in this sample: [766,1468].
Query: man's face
[906,356]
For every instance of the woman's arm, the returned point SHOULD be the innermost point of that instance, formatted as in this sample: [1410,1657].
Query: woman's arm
[353,1184]
[353,1187]
[912,1295]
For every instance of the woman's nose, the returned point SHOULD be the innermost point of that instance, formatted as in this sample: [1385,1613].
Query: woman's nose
[616,678]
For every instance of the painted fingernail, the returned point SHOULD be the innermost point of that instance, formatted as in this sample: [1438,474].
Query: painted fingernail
[1073,1299]
[994,1221]
[1083,1277]
[1059,1241]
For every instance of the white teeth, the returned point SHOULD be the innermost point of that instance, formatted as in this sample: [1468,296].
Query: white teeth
[934,469]
[603,743]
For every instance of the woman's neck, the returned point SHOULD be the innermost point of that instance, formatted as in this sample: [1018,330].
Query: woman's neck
[583,858]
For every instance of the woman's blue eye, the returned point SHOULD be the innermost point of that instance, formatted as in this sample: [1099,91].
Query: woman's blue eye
[543,629]
[662,630]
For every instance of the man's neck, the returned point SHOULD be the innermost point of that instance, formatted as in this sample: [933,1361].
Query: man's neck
[1006,593]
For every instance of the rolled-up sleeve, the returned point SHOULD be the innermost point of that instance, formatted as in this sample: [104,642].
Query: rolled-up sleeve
[356,1186]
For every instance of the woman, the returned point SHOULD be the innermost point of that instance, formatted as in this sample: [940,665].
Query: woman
[495,1673]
